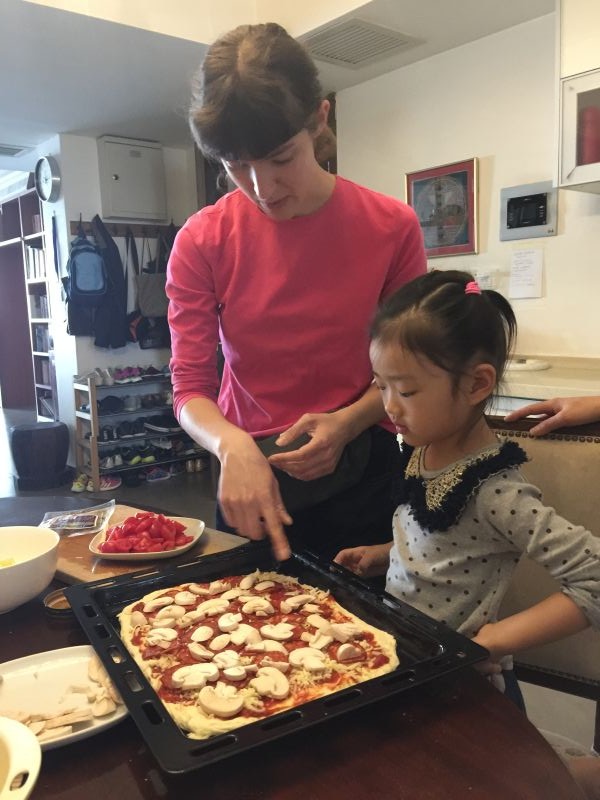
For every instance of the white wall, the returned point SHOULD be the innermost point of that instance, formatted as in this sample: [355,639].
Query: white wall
[78,159]
[493,99]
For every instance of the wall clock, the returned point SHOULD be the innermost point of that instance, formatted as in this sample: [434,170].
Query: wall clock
[47,179]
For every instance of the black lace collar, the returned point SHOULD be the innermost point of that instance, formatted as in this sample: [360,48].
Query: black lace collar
[437,503]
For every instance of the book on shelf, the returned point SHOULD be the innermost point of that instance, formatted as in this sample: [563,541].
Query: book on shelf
[46,406]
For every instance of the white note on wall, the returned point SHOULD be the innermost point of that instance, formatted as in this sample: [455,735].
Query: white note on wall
[526,273]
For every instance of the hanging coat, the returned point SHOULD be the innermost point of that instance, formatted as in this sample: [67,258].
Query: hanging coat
[110,323]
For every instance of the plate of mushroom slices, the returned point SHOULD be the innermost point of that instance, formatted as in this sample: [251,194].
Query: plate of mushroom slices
[61,695]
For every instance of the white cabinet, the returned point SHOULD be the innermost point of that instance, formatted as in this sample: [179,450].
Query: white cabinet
[132,179]
[579,36]
[579,96]
[579,157]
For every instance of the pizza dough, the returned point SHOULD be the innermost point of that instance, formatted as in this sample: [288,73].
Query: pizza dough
[228,653]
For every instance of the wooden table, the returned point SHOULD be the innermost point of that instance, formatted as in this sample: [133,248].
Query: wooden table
[453,739]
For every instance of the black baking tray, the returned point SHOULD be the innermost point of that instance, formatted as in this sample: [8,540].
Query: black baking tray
[426,649]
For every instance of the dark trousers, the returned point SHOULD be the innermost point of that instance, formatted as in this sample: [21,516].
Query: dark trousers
[359,515]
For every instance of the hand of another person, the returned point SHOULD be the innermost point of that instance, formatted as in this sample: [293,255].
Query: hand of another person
[559,412]
[368,561]
[250,500]
[320,455]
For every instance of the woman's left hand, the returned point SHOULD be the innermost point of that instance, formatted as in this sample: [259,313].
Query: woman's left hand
[328,437]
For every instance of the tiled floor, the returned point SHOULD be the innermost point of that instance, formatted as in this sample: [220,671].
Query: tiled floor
[569,721]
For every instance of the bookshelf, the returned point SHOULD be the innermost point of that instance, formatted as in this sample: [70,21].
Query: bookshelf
[27,268]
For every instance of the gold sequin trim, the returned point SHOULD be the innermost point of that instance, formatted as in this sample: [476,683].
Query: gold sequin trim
[439,487]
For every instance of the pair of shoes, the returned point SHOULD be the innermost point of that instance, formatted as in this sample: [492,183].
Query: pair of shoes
[111,404]
[131,402]
[131,457]
[127,375]
[80,483]
[101,376]
[150,372]
[107,483]
[107,434]
[157,474]
[108,462]
[163,423]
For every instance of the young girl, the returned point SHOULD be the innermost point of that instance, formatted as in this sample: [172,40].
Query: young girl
[438,349]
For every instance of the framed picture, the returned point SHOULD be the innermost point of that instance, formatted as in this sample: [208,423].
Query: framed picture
[445,201]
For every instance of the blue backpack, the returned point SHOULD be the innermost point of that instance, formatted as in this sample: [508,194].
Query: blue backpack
[86,281]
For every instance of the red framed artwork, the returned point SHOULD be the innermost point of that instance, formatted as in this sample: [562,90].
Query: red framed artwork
[445,201]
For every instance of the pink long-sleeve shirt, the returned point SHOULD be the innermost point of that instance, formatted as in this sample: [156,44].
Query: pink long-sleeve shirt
[291,302]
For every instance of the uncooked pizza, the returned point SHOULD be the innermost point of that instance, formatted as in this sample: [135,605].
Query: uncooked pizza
[230,652]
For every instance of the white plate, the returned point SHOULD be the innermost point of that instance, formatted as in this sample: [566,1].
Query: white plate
[193,528]
[42,683]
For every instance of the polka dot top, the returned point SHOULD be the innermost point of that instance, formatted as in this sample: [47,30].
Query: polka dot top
[459,576]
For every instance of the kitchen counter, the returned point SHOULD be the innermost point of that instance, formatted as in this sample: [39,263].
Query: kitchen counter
[566,377]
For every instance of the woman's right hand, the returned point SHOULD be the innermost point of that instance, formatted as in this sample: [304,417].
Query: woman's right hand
[250,499]
[368,561]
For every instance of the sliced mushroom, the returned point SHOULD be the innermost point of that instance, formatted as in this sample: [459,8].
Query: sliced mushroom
[194,676]
[214,606]
[156,603]
[197,589]
[161,637]
[163,622]
[248,581]
[294,602]
[317,621]
[219,702]
[199,652]
[202,634]
[218,587]
[185,598]
[262,586]
[342,631]
[226,658]
[282,666]
[232,594]
[174,611]
[137,619]
[271,682]
[350,652]
[220,642]
[308,657]
[245,634]
[320,641]
[281,632]
[237,673]
[103,707]
[259,606]
[229,622]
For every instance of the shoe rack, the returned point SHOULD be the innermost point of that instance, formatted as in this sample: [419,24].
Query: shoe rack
[90,422]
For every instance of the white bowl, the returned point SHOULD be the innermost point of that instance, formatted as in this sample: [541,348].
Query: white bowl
[35,553]
[20,760]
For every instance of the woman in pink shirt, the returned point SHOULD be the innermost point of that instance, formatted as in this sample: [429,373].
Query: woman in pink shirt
[286,272]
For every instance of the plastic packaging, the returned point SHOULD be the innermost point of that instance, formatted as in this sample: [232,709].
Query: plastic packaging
[81,521]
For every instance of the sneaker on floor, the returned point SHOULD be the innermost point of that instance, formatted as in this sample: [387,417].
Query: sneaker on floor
[157,474]
[107,483]
[80,483]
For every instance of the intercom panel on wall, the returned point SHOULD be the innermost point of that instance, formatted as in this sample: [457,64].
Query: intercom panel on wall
[528,211]
[132,179]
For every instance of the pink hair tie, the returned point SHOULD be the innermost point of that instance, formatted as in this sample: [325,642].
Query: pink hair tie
[472,287]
